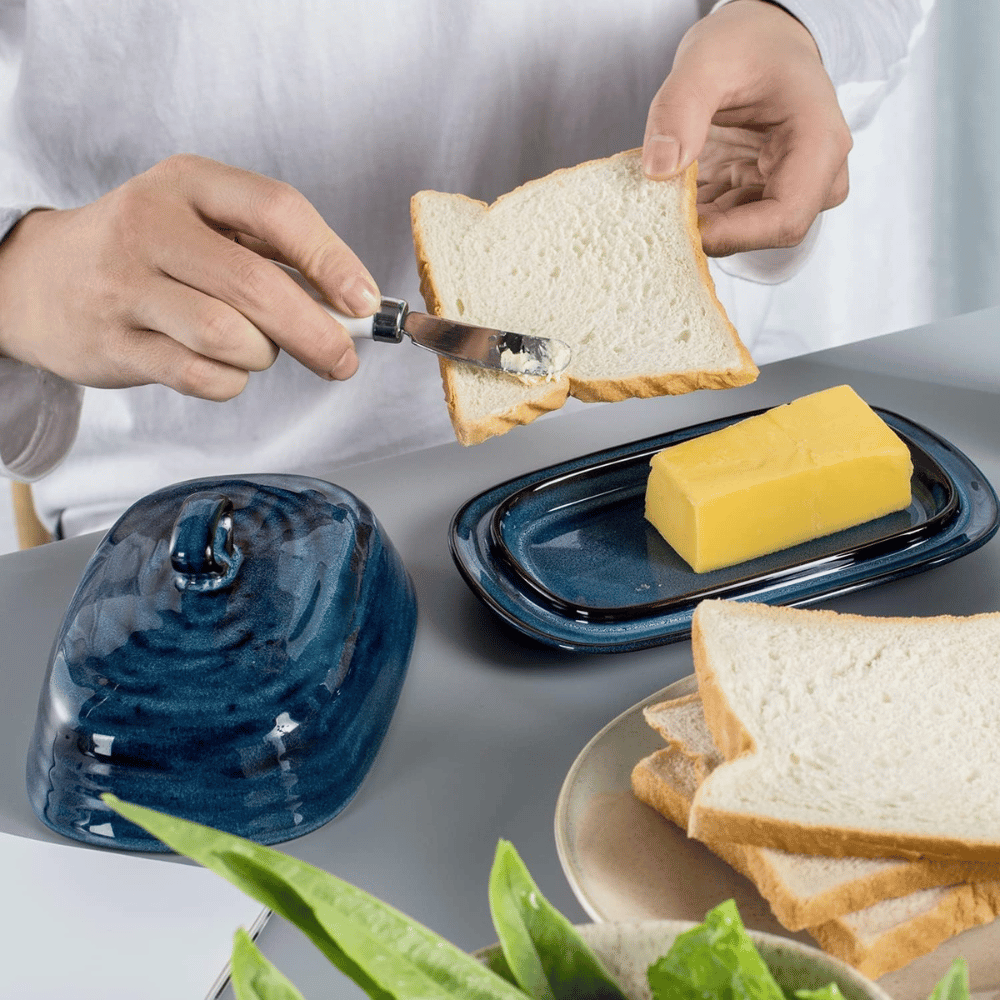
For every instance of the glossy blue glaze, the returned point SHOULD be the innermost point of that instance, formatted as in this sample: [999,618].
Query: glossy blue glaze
[565,556]
[233,655]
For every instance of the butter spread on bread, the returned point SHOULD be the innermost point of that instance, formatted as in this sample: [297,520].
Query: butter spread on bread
[820,464]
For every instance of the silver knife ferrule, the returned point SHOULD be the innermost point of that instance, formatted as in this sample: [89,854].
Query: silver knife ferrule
[387,323]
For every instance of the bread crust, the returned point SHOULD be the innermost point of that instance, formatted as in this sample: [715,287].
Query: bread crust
[793,911]
[964,907]
[471,430]
[467,431]
[710,822]
[728,733]
[703,765]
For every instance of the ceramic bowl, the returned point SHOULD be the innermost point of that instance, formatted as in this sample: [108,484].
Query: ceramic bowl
[628,949]
[233,655]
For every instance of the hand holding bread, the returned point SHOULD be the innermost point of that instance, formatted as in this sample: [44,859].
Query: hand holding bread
[745,144]
[749,99]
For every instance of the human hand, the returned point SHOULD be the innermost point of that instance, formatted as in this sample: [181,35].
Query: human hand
[748,97]
[166,279]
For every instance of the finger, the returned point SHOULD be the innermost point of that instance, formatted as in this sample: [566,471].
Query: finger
[283,217]
[800,179]
[259,247]
[746,223]
[736,173]
[840,188]
[807,155]
[679,118]
[722,195]
[261,292]
[735,197]
[151,357]
[206,325]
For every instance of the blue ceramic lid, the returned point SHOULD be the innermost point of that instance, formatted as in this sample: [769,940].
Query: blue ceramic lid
[233,655]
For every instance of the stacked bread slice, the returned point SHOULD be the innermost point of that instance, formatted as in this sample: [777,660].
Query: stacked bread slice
[846,766]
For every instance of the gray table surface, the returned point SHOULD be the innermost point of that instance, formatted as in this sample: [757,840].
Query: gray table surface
[488,725]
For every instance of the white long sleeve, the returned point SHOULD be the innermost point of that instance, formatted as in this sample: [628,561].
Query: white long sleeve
[861,42]
[39,412]
[865,49]
[39,418]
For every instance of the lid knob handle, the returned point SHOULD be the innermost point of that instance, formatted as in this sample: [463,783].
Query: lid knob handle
[202,551]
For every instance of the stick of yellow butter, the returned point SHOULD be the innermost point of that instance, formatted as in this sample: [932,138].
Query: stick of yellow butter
[820,464]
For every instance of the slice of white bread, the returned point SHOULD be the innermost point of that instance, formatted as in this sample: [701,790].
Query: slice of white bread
[595,255]
[876,940]
[848,735]
[893,933]
[803,890]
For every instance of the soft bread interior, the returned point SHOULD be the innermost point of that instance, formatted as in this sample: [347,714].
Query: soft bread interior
[853,735]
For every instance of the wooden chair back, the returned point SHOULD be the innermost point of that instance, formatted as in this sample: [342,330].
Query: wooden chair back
[30,531]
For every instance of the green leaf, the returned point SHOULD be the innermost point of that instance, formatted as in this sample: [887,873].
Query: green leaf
[954,984]
[546,956]
[254,977]
[717,960]
[495,960]
[385,952]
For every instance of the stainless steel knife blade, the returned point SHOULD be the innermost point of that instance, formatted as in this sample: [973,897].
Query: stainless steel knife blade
[502,350]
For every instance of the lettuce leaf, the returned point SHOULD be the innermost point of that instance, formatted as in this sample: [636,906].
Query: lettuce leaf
[831,992]
[544,953]
[388,955]
[717,960]
[954,984]
[392,957]
[254,977]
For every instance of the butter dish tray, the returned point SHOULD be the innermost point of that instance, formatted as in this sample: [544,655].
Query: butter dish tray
[565,556]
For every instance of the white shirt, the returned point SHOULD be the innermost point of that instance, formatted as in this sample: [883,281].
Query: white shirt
[358,105]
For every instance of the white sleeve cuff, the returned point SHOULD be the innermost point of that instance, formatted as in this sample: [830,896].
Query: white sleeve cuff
[11,215]
[39,418]
[773,266]
[859,43]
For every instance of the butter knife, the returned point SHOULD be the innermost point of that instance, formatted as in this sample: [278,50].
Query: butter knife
[499,350]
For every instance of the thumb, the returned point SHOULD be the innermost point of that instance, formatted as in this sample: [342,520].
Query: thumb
[678,121]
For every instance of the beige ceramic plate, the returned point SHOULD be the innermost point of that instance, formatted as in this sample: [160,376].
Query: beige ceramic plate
[625,862]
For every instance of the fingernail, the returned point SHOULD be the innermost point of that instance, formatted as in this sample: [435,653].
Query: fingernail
[660,156]
[361,295]
[345,367]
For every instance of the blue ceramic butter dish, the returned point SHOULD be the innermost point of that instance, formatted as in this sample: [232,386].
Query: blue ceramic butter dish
[233,655]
